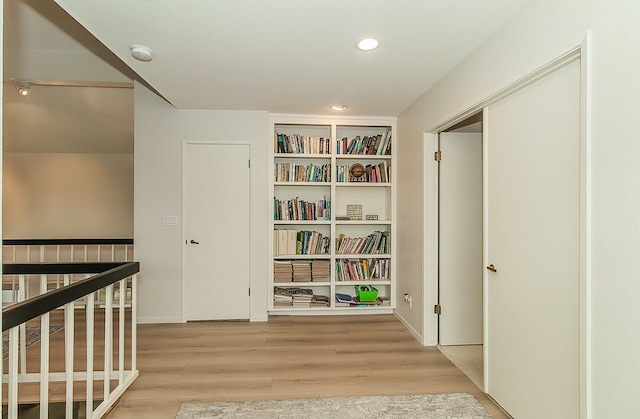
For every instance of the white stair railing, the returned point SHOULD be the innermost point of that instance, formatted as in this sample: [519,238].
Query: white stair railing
[121,276]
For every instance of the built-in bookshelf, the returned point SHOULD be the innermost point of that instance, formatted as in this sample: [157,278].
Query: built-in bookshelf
[332,185]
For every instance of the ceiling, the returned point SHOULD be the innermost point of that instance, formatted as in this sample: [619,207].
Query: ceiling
[287,56]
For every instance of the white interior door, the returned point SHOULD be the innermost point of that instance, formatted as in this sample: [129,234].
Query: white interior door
[216,231]
[533,139]
[460,231]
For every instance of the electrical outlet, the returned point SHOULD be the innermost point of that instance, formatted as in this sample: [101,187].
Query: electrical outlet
[408,299]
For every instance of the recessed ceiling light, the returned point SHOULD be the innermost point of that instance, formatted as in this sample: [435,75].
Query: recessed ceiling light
[338,107]
[368,44]
[141,53]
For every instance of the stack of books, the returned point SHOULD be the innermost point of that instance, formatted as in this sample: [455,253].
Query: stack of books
[321,271]
[320,301]
[282,271]
[282,297]
[301,270]
[301,297]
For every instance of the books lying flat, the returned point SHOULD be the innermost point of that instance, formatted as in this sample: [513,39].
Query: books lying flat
[298,298]
[321,271]
[301,270]
[282,271]
[343,300]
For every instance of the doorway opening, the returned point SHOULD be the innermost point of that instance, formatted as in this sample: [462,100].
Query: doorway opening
[460,246]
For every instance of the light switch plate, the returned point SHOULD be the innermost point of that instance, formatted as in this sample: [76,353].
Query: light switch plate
[169,220]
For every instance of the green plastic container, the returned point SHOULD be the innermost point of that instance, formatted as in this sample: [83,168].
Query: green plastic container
[366,293]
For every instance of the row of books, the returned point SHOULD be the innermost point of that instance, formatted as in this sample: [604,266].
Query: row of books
[291,172]
[298,209]
[368,145]
[298,298]
[373,173]
[301,144]
[362,270]
[301,271]
[294,242]
[377,242]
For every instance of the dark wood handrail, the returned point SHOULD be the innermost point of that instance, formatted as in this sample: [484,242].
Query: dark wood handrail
[52,268]
[65,242]
[24,311]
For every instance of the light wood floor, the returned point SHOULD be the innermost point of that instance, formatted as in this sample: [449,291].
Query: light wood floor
[286,357]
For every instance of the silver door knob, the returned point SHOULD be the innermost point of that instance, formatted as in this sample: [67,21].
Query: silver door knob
[492,268]
[194,242]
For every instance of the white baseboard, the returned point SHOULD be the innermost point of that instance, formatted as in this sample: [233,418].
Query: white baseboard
[152,320]
[260,318]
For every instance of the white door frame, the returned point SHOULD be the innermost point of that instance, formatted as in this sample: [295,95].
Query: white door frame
[430,205]
[185,143]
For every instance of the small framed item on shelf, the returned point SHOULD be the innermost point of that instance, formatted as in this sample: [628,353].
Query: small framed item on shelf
[354,211]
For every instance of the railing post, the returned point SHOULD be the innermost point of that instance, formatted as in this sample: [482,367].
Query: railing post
[22,283]
[69,313]
[12,392]
[44,355]
[90,326]
[121,330]
[134,322]
[108,340]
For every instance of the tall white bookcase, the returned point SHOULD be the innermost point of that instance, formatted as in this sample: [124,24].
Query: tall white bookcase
[342,270]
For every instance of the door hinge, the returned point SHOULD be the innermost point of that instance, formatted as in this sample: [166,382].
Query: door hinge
[437,156]
[437,309]
[249,291]
[249,164]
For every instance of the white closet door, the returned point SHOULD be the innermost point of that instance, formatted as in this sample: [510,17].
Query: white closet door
[533,221]
[217,231]
[460,226]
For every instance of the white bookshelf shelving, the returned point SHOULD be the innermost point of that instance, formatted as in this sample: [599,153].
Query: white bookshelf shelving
[375,198]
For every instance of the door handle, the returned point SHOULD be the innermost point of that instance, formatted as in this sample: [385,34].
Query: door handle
[492,268]
[194,242]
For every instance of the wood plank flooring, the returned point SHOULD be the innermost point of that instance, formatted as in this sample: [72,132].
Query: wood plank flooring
[286,357]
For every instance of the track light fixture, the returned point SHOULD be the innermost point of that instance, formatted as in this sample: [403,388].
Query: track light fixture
[23,88]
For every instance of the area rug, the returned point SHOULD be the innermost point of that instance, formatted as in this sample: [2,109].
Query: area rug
[33,336]
[432,406]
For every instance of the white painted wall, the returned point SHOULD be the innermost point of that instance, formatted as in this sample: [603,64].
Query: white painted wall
[160,130]
[1,118]
[409,238]
[67,195]
[543,31]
